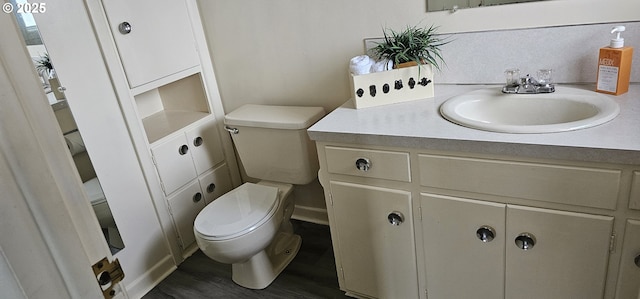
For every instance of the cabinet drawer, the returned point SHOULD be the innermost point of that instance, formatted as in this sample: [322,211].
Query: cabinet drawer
[634,201]
[373,163]
[578,186]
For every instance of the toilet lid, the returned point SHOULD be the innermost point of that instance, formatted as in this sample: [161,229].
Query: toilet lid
[237,212]
[94,191]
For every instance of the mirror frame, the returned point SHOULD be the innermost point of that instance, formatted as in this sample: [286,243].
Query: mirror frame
[534,15]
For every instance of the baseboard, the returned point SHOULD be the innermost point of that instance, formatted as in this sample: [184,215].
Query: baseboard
[143,284]
[309,214]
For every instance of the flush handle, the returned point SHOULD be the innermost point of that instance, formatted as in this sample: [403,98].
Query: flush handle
[231,130]
[124,28]
[395,218]
[363,164]
[525,241]
[486,233]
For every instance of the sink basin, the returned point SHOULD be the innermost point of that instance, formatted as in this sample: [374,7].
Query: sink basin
[566,109]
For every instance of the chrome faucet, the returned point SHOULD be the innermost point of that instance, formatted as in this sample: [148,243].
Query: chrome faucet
[528,84]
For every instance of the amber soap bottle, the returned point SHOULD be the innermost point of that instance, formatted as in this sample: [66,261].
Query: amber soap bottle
[614,66]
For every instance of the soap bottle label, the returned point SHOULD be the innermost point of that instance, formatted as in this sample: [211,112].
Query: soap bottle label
[608,78]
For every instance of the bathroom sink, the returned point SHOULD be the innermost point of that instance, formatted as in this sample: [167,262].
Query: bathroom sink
[566,109]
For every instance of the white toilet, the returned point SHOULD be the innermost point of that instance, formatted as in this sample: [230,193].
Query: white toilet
[249,226]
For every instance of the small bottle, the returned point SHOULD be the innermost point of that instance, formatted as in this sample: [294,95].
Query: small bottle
[614,66]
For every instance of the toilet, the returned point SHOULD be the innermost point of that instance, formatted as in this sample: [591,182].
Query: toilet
[249,227]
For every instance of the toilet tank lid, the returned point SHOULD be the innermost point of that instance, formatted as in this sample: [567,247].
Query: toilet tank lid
[274,117]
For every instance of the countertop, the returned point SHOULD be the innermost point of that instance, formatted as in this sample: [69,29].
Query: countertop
[418,124]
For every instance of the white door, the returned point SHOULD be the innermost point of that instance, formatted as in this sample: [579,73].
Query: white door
[46,245]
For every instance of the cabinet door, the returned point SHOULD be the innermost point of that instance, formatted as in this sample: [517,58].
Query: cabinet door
[567,254]
[378,258]
[161,41]
[185,206]
[464,247]
[174,163]
[205,142]
[215,183]
[629,276]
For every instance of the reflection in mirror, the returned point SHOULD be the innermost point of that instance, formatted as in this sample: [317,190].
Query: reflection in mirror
[71,133]
[452,5]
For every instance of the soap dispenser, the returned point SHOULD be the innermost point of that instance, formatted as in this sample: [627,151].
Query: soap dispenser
[614,65]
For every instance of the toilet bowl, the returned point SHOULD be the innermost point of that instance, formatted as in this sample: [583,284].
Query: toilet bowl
[249,227]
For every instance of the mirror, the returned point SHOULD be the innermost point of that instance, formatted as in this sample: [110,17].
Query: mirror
[71,133]
[452,5]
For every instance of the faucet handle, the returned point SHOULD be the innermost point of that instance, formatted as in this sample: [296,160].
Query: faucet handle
[512,76]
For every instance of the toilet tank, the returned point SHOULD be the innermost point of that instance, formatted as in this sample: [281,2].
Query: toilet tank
[272,141]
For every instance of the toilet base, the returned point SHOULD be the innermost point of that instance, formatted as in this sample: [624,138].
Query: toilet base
[263,268]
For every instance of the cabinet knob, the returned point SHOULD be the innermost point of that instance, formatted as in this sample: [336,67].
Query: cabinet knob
[211,188]
[183,150]
[525,241]
[637,260]
[395,218]
[124,28]
[198,141]
[197,197]
[363,164]
[486,233]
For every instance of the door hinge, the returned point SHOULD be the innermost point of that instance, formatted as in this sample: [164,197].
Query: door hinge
[331,199]
[108,274]
[420,211]
[612,243]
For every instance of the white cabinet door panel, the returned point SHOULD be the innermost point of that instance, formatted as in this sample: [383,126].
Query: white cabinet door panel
[216,183]
[161,41]
[378,259]
[629,277]
[205,142]
[185,206]
[175,168]
[569,258]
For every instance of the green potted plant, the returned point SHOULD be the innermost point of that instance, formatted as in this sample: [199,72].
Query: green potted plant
[411,46]
[45,67]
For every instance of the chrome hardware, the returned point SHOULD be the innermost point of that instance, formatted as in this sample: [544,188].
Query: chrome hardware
[62,89]
[124,28]
[395,218]
[486,233]
[197,197]
[525,241]
[211,188]
[363,164]
[232,130]
[528,84]
[182,150]
[637,260]
[197,141]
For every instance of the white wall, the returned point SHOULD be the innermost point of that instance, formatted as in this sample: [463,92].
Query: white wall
[293,52]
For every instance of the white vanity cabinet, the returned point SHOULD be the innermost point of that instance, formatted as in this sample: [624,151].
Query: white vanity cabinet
[484,226]
[629,274]
[478,249]
[154,38]
[374,240]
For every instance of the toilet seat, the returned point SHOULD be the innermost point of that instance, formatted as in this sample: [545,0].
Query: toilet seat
[237,212]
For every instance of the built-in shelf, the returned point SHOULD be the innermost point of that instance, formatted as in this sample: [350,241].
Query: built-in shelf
[171,107]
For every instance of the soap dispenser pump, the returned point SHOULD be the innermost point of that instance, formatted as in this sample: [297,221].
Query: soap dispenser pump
[614,65]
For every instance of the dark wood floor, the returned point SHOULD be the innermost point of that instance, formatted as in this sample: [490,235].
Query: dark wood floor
[312,274]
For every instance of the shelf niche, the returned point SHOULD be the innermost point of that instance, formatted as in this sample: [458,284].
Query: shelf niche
[171,107]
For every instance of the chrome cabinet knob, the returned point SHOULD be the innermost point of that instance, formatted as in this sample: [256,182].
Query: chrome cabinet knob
[124,28]
[211,188]
[198,141]
[363,164]
[525,241]
[486,233]
[197,197]
[395,218]
[637,260]
[183,150]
